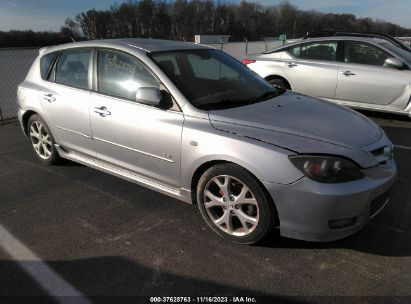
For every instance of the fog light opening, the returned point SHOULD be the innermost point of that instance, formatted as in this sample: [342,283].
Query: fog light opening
[339,224]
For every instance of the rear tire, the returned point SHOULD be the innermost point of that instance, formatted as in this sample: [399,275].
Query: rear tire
[42,140]
[234,204]
[279,83]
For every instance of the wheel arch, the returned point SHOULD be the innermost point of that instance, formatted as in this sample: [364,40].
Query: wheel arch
[271,77]
[207,165]
[25,119]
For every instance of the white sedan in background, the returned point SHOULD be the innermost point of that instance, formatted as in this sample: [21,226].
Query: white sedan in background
[358,72]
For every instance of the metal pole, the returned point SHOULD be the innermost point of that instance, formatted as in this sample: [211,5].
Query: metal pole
[246,45]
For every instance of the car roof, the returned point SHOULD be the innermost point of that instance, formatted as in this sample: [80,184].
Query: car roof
[139,44]
[333,38]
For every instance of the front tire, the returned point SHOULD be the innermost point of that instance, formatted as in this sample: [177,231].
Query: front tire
[42,140]
[234,204]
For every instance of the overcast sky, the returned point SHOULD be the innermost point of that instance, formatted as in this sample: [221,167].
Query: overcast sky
[47,15]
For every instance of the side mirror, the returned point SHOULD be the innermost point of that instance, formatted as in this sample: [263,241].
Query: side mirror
[393,62]
[149,96]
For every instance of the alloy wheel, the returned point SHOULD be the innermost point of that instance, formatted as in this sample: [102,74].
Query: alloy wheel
[231,205]
[40,139]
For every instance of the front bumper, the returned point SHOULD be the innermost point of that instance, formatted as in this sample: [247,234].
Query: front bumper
[306,208]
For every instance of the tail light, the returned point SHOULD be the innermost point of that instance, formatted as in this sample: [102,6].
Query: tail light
[247,61]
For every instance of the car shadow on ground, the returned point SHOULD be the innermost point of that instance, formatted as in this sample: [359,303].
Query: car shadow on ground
[67,163]
[387,116]
[373,239]
[112,280]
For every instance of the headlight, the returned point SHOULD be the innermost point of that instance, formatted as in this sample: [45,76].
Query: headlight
[327,169]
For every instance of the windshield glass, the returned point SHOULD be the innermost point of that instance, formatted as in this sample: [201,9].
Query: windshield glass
[405,55]
[211,79]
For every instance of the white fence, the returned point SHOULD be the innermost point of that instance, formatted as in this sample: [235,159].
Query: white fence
[239,49]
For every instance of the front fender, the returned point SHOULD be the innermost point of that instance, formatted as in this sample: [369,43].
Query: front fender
[202,143]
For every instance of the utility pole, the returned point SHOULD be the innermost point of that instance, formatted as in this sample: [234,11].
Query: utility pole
[295,23]
[94,23]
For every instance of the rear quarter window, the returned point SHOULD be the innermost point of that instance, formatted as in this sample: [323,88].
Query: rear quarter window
[46,62]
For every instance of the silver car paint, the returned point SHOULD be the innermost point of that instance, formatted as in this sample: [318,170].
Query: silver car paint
[367,87]
[325,128]
[327,202]
[305,75]
[163,150]
[139,137]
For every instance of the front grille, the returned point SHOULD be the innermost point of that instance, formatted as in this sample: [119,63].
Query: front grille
[378,202]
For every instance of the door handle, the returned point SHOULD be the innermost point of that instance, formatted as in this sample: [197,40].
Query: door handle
[348,73]
[49,97]
[102,111]
[291,64]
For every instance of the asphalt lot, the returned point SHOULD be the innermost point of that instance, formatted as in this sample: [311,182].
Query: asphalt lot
[102,236]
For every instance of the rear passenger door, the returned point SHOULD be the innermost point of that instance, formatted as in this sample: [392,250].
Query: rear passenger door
[312,69]
[65,99]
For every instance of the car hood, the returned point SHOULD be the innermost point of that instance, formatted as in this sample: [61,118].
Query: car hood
[302,124]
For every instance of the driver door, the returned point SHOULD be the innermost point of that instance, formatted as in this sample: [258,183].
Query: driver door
[138,137]
[363,78]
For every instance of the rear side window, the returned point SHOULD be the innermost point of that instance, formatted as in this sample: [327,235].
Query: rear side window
[325,50]
[319,51]
[295,51]
[46,62]
[73,68]
[363,53]
[121,75]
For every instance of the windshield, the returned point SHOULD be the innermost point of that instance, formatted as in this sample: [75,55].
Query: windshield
[405,55]
[211,79]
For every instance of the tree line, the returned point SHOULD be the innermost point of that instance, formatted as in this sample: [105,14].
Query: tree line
[30,38]
[182,19]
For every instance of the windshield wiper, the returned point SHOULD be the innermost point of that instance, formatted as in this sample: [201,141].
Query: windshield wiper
[227,103]
[267,95]
[224,103]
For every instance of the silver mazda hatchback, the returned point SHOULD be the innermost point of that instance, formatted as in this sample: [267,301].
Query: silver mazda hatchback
[193,123]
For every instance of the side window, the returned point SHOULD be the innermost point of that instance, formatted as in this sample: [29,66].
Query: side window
[363,53]
[206,67]
[121,75]
[46,62]
[295,51]
[73,68]
[319,51]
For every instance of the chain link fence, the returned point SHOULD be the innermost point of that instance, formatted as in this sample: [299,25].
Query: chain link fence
[14,65]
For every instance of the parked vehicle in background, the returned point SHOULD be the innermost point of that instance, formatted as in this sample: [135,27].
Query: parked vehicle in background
[359,72]
[192,122]
[344,33]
